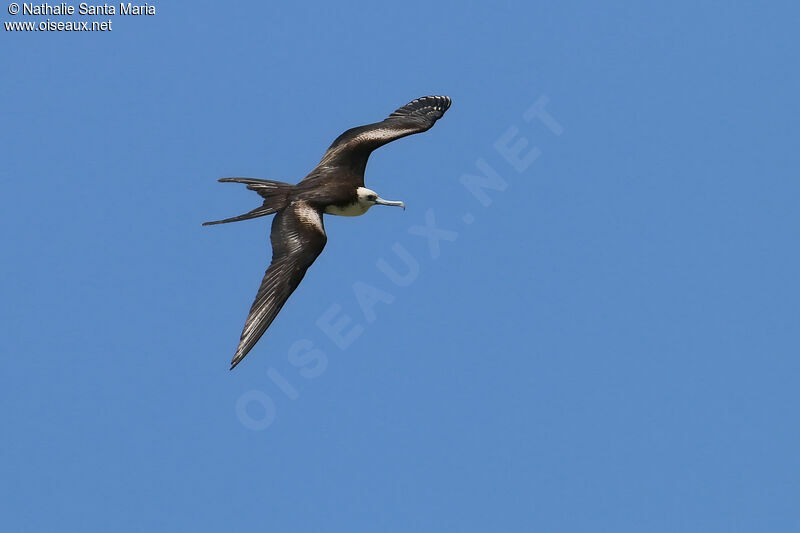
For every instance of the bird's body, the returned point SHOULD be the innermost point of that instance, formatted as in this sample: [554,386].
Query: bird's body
[334,187]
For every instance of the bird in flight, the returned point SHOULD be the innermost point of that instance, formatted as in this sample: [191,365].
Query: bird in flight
[334,187]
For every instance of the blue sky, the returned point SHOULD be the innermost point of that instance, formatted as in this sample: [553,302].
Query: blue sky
[609,345]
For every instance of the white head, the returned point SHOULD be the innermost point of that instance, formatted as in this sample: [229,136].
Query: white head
[367,198]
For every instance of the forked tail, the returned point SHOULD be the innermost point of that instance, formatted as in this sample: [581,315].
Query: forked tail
[275,194]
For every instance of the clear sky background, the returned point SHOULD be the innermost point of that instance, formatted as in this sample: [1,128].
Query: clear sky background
[610,345]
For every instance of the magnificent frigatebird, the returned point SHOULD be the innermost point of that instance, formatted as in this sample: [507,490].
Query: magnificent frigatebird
[335,187]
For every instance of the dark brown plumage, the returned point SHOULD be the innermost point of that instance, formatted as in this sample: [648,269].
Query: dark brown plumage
[335,186]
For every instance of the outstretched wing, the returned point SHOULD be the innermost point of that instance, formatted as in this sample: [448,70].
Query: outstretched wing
[352,148]
[298,237]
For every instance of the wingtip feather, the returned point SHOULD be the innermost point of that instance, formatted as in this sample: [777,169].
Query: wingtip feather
[425,104]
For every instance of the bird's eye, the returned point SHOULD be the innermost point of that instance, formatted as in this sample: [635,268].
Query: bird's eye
[373,197]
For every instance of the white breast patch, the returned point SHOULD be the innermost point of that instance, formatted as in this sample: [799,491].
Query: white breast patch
[350,210]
